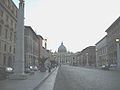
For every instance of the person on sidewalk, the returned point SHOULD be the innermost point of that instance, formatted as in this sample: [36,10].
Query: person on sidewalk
[49,69]
[48,65]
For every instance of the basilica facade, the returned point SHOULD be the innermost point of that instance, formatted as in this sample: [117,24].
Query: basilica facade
[62,55]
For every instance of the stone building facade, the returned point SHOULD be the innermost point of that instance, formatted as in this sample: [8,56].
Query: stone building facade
[74,59]
[8,21]
[88,56]
[113,32]
[41,50]
[101,52]
[31,47]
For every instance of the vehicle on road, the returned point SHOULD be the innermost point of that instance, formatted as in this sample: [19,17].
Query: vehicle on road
[105,67]
[27,70]
[9,70]
[113,65]
[5,71]
[33,68]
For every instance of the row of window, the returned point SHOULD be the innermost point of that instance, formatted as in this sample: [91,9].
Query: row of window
[7,60]
[7,33]
[8,20]
[5,48]
[102,51]
[11,6]
[12,24]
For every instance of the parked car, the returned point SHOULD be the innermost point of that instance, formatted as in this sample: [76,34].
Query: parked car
[9,70]
[105,67]
[5,71]
[27,70]
[113,65]
[33,68]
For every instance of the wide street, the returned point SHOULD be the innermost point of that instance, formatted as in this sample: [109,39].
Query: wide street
[79,78]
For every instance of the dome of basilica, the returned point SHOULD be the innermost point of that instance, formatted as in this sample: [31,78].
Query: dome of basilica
[62,48]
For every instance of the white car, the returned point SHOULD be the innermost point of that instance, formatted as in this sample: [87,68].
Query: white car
[105,67]
[8,69]
[34,68]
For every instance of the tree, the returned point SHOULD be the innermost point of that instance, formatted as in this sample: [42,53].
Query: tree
[42,64]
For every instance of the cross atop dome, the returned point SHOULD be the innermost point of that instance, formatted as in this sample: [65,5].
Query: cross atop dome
[62,43]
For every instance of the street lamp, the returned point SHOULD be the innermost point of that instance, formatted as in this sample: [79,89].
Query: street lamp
[118,52]
[117,40]
[96,57]
[46,44]
[87,59]
[45,40]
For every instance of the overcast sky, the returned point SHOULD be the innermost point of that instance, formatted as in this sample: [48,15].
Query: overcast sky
[78,23]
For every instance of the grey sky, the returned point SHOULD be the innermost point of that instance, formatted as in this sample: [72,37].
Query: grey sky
[78,23]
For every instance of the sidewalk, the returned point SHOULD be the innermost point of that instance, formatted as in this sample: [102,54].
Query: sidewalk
[48,84]
[28,84]
[114,69]
[91,67]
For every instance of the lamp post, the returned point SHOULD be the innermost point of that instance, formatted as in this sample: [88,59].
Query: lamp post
[87,59]
[96,57]
[118,53]
[45,50]
[46,44]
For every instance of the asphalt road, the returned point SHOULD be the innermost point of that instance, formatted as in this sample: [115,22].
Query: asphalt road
[77,78]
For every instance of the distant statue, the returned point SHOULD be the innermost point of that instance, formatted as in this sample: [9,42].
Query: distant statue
[22,0]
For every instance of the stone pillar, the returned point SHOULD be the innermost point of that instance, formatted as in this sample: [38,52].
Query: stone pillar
[19,50]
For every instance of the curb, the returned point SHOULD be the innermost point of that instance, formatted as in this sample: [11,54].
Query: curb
[41,82]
